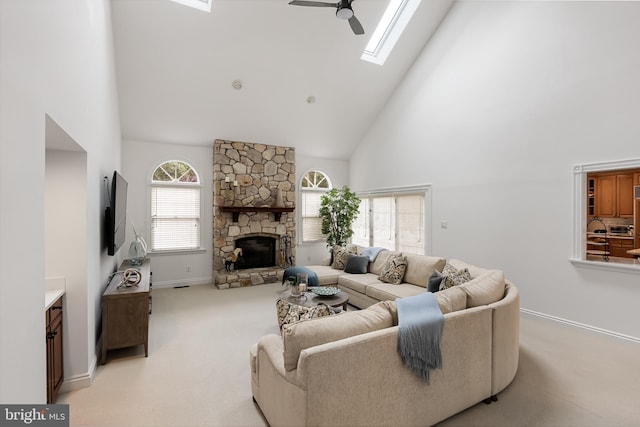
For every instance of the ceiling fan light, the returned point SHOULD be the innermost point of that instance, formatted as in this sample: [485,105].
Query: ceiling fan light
[344,12]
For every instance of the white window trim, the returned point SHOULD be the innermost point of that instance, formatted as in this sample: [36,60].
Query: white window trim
[428,216]
[579,255]
[203,5]
[389,29]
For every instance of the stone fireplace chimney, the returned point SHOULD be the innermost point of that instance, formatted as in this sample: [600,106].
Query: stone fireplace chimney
[253,208]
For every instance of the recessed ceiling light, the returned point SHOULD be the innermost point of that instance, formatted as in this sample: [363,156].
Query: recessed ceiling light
[311,100]
[236,84]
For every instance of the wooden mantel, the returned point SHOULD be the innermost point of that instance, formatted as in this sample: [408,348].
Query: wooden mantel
[235,210]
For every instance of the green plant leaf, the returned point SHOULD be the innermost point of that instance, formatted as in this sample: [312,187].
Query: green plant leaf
[338,210]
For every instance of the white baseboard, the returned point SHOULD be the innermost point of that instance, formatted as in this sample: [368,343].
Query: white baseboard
[582,325]
[83,380]
[194,281]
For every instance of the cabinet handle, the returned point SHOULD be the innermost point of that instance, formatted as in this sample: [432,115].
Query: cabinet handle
[50,335]
[56,308]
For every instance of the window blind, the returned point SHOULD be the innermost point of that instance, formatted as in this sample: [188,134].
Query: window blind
[361,225]
[310,215]
[410,223]
[383,214]
[392,221]
[175,218]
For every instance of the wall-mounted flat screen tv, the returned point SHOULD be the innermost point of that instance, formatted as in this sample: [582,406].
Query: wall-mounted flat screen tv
[116,214]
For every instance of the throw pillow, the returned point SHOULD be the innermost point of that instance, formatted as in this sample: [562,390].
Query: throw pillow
[393,270]
[291,313]
[356,264]
[451,276]
[340,254]
[434,281]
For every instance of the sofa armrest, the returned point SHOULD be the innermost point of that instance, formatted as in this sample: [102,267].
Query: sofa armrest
[270,349]
[274,389]
[506,338]
[368,366]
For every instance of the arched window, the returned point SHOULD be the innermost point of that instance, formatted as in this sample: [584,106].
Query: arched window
[313,185]
[175,207]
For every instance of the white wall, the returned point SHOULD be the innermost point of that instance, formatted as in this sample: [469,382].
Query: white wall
[66,249]
[499,106]
[57,60]
[338,173]
[139,160]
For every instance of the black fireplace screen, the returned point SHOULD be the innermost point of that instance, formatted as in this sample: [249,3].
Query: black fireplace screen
[257,251]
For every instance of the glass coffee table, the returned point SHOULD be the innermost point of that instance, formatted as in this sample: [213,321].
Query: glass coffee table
[309,299]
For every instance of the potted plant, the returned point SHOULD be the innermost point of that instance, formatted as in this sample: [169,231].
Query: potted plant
[338,210]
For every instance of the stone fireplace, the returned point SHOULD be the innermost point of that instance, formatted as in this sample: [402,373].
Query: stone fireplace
[253,207]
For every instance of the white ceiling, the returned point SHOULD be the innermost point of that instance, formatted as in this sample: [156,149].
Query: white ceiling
[175,66]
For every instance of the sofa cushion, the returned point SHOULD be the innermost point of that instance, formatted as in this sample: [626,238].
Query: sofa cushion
[451,276]
[433,285]
[340,254]
[420,267]
[299,336]
[474,270]
[452,299]
[376,266]
[394,269]
[388,291]
[326,274]
[357,282]
[485,289]
[356,264]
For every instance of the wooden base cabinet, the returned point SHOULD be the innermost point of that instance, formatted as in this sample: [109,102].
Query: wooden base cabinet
[55,365]
[619,247]
[125,311]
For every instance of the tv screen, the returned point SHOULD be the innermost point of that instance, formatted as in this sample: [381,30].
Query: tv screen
[116,214]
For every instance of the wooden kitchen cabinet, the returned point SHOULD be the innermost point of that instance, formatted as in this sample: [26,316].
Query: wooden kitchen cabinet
[125,312]
[619,247]
[614,196]
[55,364]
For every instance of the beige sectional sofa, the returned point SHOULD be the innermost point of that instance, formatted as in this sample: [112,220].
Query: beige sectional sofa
[345,370]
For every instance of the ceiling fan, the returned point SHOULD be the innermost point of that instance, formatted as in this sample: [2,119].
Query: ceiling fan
[344,11]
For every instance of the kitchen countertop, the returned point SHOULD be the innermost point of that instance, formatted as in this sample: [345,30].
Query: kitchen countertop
[52,296]
[611,235]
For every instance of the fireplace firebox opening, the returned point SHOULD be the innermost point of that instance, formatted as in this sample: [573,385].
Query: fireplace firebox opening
[257,252]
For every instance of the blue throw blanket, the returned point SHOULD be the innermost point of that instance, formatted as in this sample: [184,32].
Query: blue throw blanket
[312,277]
[420,325]
[372,252]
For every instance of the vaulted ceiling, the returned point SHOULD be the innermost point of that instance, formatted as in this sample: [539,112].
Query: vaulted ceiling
[175,67]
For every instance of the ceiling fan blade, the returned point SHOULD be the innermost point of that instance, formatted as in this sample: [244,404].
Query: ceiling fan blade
[312,3]
[356,26]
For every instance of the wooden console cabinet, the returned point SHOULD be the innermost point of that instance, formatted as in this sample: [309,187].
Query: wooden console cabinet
[55,365]
[125,312]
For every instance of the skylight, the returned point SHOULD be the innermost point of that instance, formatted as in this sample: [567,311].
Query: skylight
[390,27]
[204,5]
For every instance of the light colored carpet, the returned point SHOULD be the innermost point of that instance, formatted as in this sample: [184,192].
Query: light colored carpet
[197,372]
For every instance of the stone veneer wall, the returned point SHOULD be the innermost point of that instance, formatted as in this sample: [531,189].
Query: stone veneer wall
[260,171]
